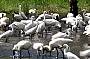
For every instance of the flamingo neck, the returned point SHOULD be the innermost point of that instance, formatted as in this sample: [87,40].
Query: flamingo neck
[52,16]
[44,16]
[12,29]
[66,49]
[50,48]
[19,9]
[32,21]
[84,13]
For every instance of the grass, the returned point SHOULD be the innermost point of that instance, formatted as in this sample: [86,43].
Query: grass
[59,6]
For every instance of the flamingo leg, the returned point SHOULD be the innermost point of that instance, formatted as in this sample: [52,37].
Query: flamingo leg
[13,54]
[57,53]
[20,54]
[62,53]
[50,53]
[29,54]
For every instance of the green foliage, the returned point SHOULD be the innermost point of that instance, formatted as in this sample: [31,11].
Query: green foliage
[60,6]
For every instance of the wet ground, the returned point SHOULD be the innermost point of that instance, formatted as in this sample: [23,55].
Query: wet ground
[76,46]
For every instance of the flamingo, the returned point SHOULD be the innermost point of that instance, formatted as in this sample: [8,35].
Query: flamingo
[67,54]
[38,47]
[85,53]
[20,16]
[22,45]
[31,31]
[40,28]
[57,43]
[7,34]
[61,34]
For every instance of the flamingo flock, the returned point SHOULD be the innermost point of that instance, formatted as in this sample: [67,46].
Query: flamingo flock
[45,23]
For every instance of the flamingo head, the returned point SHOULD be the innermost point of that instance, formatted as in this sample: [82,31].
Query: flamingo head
[66,47]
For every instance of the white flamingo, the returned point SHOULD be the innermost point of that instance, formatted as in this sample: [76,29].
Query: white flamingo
[7,34]
[44,16]
[2,24]
[25,21]
[20,16]
[85,53]
[38,47]
[30,24]
[52,22]
[22,45]
[80,22]
[86,16]
[4,21]
[31,31]
[17,25]
[68,54]
[59,41]
[2,14]
[87,27]
[40,28]
[70,21]
[87,30]
[55,16]
[61,34]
